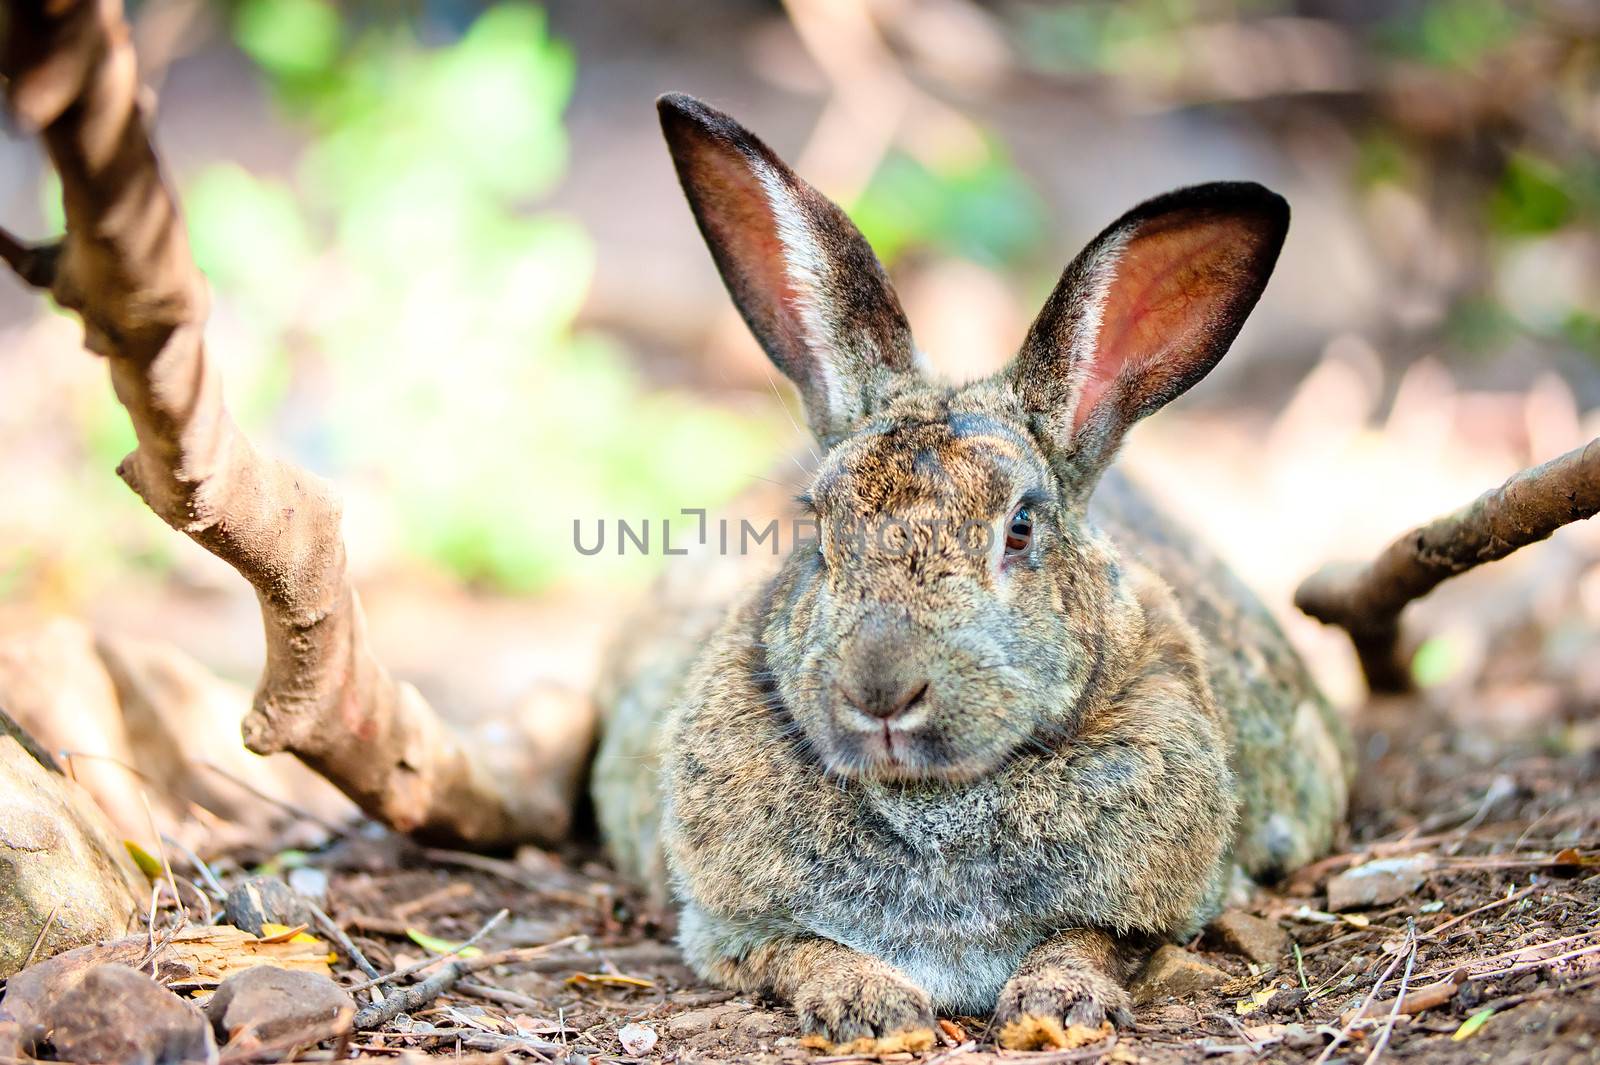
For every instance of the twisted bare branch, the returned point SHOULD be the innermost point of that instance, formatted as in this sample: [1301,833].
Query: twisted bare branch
[1366,600]
[124,267]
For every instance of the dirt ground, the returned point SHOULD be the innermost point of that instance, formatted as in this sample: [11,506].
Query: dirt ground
[1498,834]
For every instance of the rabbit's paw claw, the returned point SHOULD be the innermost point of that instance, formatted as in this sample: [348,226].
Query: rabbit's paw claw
[868,1014]
[1060,1009]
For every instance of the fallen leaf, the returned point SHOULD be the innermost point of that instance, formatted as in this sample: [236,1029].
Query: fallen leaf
[1470,1026]
[1570,858]
[1310,916]
[917,1039]
[607,980]
[1270,1033]
[1031,1032]
[282,933]
[1255,1001]
[147,864]
[440,946]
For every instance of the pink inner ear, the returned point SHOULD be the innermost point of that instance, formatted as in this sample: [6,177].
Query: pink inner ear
[1171,279]
[748,232]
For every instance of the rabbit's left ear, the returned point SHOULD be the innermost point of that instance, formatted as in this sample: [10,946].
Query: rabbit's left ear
[1144,312]
[800,273]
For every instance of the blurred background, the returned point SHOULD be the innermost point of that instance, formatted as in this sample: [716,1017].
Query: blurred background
[453,272]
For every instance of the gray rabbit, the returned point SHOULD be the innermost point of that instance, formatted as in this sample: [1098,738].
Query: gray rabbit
[1001,729]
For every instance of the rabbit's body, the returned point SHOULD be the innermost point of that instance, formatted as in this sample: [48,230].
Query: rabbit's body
[915,768]
[953,886]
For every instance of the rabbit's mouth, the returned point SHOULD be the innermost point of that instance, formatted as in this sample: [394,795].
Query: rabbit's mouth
[892,752]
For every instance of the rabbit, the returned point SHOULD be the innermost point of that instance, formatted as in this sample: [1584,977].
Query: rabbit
[986,757]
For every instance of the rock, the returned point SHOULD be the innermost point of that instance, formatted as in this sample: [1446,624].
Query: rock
[1174,972]
[25,1009]
[1377,883]
[120,1016]
[761,1025]
[636,1039]
[693,1022]
[201,956]
[1286,1001]
[310,883]
[1261,941]
[58,854]
[264,900]
[266,1003]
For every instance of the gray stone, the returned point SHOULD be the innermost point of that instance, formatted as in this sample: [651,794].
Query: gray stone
[264,900]
[266,1003]
[58,854]
[693,1022]
[1261,941]
[119,1016]
[1174,972]
[1378,883]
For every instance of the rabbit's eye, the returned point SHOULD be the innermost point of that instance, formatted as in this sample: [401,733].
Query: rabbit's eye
[1019,531]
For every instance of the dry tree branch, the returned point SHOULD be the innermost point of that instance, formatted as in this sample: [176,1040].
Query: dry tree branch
[125,268]
[1366,600]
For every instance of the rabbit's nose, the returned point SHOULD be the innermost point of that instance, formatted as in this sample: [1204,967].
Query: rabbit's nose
[887,701]
[881,678]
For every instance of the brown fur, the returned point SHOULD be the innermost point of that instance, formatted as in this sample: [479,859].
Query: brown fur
[909,772]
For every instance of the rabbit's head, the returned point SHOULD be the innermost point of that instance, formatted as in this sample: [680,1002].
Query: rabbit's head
[957,604]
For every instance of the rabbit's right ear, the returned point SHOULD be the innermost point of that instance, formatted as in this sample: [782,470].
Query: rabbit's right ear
[1144,312]
[800,273]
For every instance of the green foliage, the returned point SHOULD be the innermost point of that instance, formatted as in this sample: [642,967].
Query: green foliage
[1531,197]
[1436,661]
[435,945]
[1381,158]
[289,39]
[981,210]
[1092,36]
[407,321]
[1479,326]
[1451,33]
[1582,331]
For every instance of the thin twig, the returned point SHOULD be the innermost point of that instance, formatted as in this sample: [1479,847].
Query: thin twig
[1433,932]
[161,852]
[954,1052]
[287,807]
[1343,1033]
[199,866]
[499,994]
[49,920]
[1543,963]
[1508,1001]
[338,1028]
[433,959]
[1561,941]
[419,995]
[493,1041]
[1399,1000]
[331,929]
[156,947]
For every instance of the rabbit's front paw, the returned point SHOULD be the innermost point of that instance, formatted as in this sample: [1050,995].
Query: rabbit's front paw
[867,1012]
[1059,1007]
